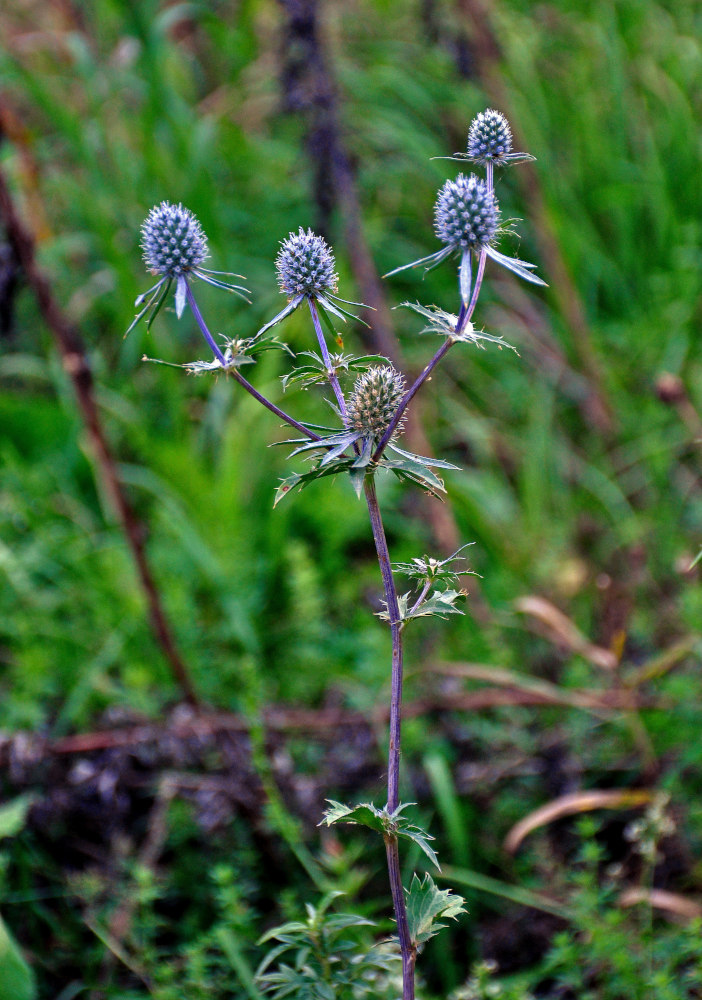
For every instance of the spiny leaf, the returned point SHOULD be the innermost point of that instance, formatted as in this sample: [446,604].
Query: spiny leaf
[426,904]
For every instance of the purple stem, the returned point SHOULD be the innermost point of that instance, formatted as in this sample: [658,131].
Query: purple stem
[463,317]
[396,890]
[240,378]
[203,326]
[331,374]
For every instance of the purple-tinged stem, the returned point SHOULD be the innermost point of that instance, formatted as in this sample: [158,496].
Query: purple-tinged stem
[409,396]
[396,890]
[203,326]
[331,374]
[240,378]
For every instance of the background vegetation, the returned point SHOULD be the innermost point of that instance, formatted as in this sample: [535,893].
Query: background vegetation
[149,866]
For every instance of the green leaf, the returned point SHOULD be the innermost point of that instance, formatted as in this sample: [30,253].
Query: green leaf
[426,905]
[441,603]
[427,568]
[13,815]
[303,479]
[16,977]
[364,814]
[445,323]
[388,824]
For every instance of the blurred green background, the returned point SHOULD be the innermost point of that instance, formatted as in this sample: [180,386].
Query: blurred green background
[579,482]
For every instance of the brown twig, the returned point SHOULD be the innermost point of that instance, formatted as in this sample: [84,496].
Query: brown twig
[76,365]
[329,719]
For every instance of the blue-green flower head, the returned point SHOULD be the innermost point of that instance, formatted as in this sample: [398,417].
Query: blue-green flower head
[173,241]
[374,400]
[489,138]
[466,214]
[305,265]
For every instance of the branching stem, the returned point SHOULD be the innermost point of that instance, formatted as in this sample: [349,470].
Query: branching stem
[239,377]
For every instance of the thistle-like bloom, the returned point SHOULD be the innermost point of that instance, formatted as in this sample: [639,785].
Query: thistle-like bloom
[376,395]
[466,214]
[490,142]
[467,220]
[173,241]
[489,138]
[305,267]
[175,247]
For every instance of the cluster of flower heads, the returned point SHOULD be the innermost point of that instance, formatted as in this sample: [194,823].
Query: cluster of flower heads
[466,213]
[466,221]
[372,404]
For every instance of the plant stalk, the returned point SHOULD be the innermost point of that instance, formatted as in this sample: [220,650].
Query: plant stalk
[394,746]
[331,374]
[238,376]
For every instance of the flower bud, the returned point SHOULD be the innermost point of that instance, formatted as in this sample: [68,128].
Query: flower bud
[489,138]
[172,240]
[305,265]
[375,397]
[466,214]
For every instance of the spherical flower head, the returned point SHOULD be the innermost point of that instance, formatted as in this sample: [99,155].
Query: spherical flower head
[489,138]
[466,214]
[375,397]
[172,240]
[305,265]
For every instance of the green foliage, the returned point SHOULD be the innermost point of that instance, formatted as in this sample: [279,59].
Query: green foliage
[609,952]
[392,824]
[16,977]
[329,960]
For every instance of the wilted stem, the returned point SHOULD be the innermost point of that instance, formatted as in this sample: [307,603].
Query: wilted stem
[394,747]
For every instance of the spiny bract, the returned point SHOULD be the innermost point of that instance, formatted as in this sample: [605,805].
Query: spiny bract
[305,265]
[172,240]
[375,397]
[489,138]
[466,214]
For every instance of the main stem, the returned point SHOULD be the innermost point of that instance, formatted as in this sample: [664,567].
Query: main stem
[398,897]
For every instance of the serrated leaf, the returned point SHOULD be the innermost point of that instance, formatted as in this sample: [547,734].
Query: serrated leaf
[441,602]
[410,831]
[279,317]
[364,814]
[421,460]
[446,323]
[389,824]
[427,906]
[303,479]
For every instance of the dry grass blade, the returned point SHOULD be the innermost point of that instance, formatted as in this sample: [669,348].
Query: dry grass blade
[552,694]
[571,805]
[561,631]
[676,907]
